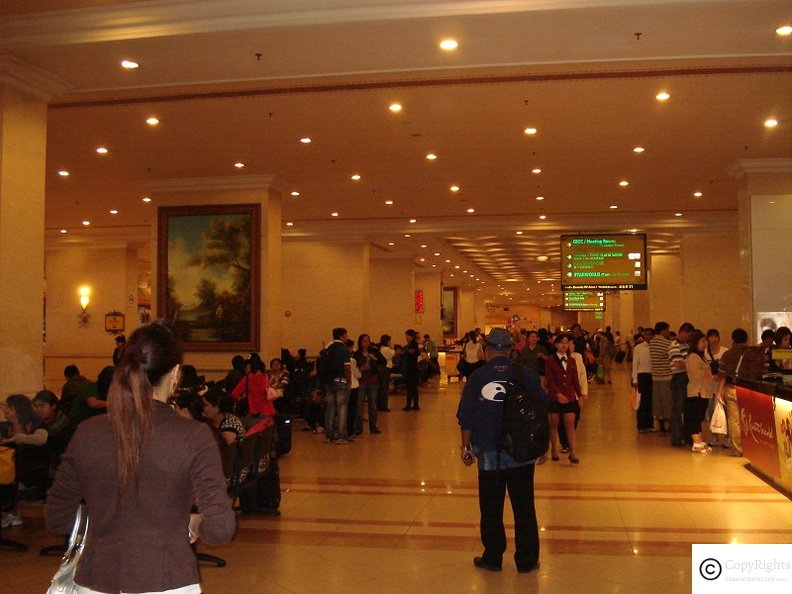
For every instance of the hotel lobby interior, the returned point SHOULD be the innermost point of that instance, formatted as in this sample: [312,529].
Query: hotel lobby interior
[394,150]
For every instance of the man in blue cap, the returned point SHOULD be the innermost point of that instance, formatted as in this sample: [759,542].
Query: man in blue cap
[480,415]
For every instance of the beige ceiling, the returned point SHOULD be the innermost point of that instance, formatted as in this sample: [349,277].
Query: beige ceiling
[329,69]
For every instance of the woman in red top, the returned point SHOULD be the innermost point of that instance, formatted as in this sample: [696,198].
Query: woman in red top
[563,389]
[256,385]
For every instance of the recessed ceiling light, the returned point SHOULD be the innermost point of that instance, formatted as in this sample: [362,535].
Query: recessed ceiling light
[540,197]
[536,170]
[407,235]
[152,121]
[395,107]
[457,267]
[624,183]
[305,140]
[784,31]
[662,96]
[542,258]
[677,214]
[333,214]
[639,149]
[431,157]
[437,253]
[448,261]
[771,123]
[63,231]
[423,245]
[448,44]
[102,150]
[129,64]
[633,230]
[63,173]
[289,224]
[239,165]
[114,212]
[355,177]
[423,260]
[614,206]
[452,274]
[413,221]
[295,193]
[146,199]
[518,233]
[697,194]
[542,217]
[86,223]
[454,188]
[530,131]
[389,202]
[434,265]
[471,210]
[391,243]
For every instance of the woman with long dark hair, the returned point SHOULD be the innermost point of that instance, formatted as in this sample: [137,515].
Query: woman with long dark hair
[139,470]
[700,389]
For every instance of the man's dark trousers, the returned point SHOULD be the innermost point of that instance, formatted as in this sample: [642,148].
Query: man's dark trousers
[492,493]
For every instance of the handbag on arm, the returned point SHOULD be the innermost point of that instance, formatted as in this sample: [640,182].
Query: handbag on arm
[63,580]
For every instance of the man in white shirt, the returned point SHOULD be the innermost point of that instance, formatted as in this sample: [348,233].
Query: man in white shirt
[642,381]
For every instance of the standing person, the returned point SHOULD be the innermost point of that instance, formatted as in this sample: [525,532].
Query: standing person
[699,389]
[336,388]
[607,350]
[140,469]
[255,386]
[713,354]
[563,391]
[410,368]
[642,380]
[118,351]
[236,373]
[583,381]
[740,361]
[677,355]
[369,361]
[783,338]
[661,375]
[354,385]
[480,413]
[386,350]
[532,354]
[473,357]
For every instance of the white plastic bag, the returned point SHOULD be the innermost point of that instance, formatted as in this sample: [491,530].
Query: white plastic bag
[718,421]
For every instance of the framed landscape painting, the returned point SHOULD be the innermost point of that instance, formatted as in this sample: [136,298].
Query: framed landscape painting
[208,275]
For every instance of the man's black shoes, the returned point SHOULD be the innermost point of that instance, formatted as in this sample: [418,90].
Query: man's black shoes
[527,568]
[481,564]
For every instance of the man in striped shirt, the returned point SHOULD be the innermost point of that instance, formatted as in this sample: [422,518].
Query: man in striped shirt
[661,375]
[677,353]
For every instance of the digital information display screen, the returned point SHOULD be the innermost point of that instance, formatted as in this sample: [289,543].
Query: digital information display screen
[584,301]
[607,261]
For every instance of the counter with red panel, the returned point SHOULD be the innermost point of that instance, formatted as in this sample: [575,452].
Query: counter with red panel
[766,428]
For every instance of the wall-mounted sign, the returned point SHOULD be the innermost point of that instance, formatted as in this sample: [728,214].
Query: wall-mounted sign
[115,322]
[584,301]
[419,301]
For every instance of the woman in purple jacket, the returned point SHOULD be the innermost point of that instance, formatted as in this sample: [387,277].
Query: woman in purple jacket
[140,469]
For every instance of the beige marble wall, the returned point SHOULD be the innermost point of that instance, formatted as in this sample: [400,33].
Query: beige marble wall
[392,299]
[665,290]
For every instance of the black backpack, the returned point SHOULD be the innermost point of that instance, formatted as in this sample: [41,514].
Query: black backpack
[525,429]
[325,369]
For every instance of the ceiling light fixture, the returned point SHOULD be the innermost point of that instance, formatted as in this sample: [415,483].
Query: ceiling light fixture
[614,206]
[536,170]
[454,188]
[663,96]
[63,231]
[129,64]
[114,212]
[677,214]
[333,214]
[771,123]
[633,230]
[389,202]
[437,253]
[289,224]
[391,243]
[413,220]
[239,165]
[624,183]
[395,107]
[542,217]
[305,140]
[697,194]
[448,44]
[542,258]
[639,149]
[471,210]
[530,131]
[146,199]
[518,233]
[102,150]
[423,260]
[431,157]
[63,173]
[784,31]
[448,261]
[407,235]
[86,223]
[355,177]
[540,198]
[423,245]
[152,121]
[295,193]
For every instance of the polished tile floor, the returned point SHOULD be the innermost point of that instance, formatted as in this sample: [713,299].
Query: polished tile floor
[398,512]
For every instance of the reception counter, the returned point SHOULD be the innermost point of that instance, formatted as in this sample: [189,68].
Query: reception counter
[766,428]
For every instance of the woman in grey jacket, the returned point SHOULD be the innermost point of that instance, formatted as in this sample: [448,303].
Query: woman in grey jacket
[140,469]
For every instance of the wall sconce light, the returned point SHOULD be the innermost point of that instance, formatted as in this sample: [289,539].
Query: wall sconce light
[85,299]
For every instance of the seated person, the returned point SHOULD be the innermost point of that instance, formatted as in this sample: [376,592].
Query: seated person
[26,433]
[59,426]
[217,407]
[72,388]
[92,400]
